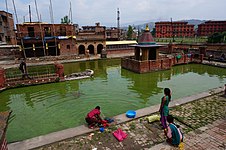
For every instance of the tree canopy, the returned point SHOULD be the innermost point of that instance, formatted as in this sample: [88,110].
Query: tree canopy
[153,32]
[217,38]
[65,20]
[130,32]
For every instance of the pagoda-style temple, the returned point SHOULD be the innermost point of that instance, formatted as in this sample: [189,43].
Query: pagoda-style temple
[147,58]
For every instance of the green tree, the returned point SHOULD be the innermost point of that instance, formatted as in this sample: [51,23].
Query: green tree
[129,32]
[217,38]
[224,37]
[153,32]
[65,20]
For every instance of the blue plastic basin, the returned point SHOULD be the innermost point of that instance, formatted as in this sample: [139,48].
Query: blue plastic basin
[102,129]
[131,114]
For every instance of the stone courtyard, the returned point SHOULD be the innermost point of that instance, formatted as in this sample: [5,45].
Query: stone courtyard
[203,123]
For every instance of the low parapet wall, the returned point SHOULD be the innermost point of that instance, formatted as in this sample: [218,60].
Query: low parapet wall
[159,64]
[7,81]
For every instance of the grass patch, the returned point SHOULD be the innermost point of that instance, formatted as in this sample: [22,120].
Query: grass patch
[132,126]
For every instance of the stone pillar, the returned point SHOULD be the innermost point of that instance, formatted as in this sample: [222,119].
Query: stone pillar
[137,53]
[59,70]
[191,58]
[170,48]
[157,53]
[103,53]
[2,77]
[87,54]
[202,50]
[95,50]
[170,63]
[174,60]
[185,58]
[144,54]
[201,58]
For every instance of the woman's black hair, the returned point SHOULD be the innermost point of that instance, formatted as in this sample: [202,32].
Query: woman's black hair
[167,92]
[170,119]
[98,107]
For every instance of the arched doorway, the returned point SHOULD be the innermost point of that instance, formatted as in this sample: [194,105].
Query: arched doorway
[91,49]
[81,49]
[99,48]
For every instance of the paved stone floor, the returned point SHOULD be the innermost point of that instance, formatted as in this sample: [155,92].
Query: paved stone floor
[203,122]
[209,137]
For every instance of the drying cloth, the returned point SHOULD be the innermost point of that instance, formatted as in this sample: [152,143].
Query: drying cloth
[153,118]
[119,135]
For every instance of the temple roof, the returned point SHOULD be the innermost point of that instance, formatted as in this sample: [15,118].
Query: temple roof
[146,39]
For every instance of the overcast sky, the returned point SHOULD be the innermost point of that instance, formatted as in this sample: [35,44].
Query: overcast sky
[88,12]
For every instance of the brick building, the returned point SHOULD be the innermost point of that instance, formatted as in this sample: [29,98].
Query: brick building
[7,34]
[176,29]
[91,38]
[120,47]
[209,27]
[113,34]
[42,39]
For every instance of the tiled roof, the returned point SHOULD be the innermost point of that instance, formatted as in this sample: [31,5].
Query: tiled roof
[146,38]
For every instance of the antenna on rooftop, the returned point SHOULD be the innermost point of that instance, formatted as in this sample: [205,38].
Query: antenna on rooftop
[19,32]
[70,13]
[52,21]
[118,22]
[6,5]
[29,7]
[41,32]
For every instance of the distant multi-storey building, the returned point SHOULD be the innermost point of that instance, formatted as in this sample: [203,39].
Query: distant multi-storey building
[209,27]
[7,34]
[43,39]
[113,34]
[174,29]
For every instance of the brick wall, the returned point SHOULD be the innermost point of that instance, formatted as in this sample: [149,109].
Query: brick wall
[9,52]
[121,51]
[156,65]
[68,47]
[2,78]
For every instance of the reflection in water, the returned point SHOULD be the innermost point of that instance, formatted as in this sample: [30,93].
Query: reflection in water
[42,109]
[144,84]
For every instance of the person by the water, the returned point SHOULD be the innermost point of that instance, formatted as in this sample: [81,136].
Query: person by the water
[164,109]
[23,69]
[173,133]
[93,117]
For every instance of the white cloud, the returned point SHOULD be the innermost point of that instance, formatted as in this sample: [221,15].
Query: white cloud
[88,12]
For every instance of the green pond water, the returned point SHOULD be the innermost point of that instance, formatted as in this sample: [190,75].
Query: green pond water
[42,109]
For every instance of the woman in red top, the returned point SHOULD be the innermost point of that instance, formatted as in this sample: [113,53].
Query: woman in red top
[93,117]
